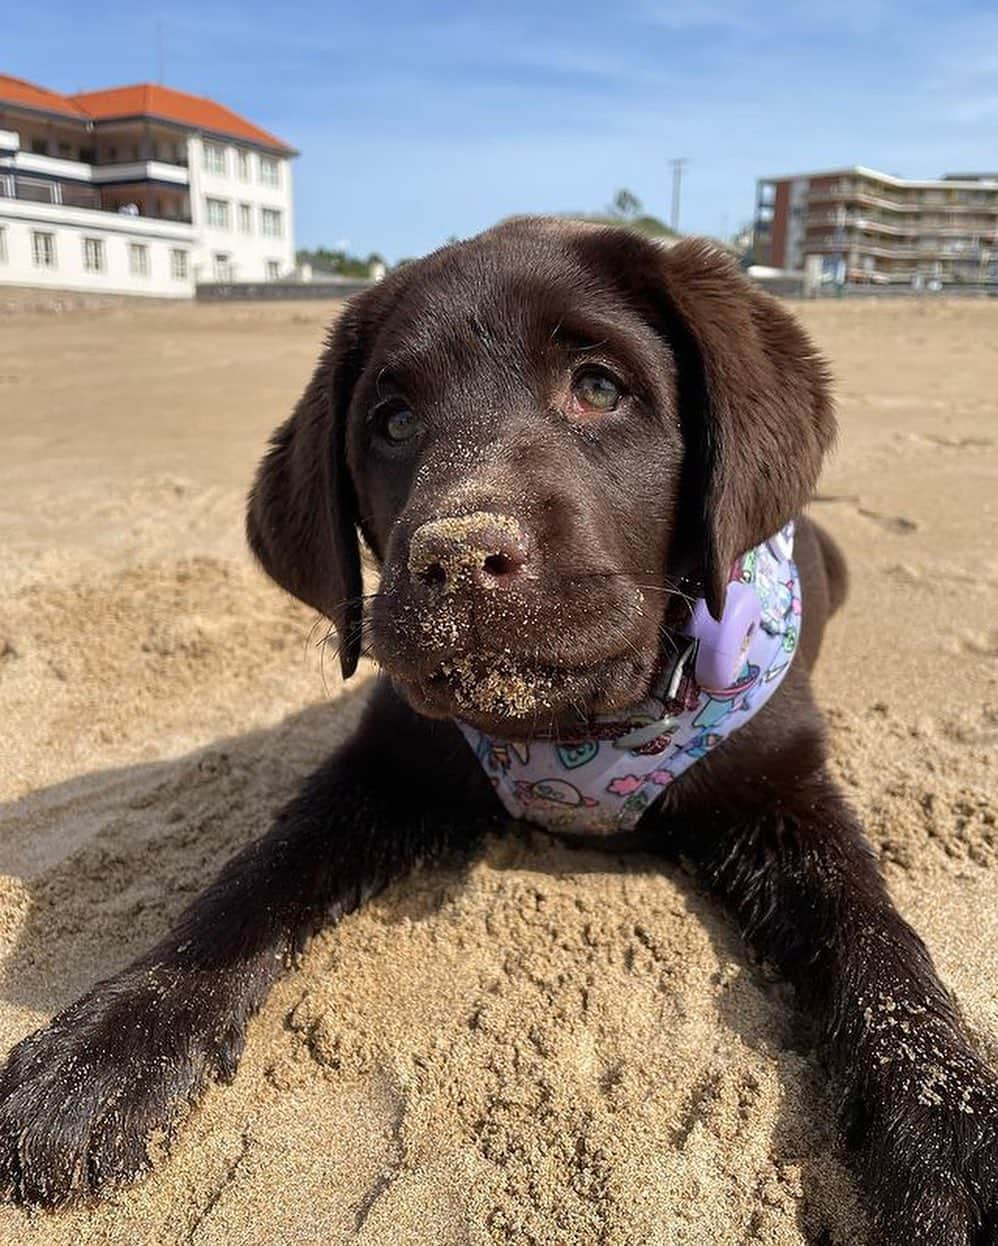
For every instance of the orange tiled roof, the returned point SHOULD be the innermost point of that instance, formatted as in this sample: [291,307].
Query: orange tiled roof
[27,94]
[146,99]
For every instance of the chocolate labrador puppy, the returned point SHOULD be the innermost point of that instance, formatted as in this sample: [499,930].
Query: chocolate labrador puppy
[578,460]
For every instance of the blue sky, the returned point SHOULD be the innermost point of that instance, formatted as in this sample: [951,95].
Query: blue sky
[419,122]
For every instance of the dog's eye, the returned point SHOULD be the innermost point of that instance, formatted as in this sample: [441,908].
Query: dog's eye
[597,390]
[399,425]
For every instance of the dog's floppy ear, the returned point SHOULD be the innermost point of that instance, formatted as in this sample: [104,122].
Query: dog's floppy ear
[302,515]
[757,412]
[753,394]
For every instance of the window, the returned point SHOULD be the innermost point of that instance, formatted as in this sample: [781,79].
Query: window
[178,265]
[270,171]
[243,165]
[218,213]
[246,218]
[3,244]
[270,222]
[36,190]
[65,151]
[40,146]
[43,249]
[214,158]
[273,270]
[93,255]
[138,259]
[222,266]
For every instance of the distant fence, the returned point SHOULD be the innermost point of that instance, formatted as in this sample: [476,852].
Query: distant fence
[273,291]
[788,285]
[792,286]
[971,289]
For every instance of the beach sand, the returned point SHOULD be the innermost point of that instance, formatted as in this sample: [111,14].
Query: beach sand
[543,1046]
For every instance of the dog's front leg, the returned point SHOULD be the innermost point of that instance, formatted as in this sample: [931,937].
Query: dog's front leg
[921,1104]
[81,1099]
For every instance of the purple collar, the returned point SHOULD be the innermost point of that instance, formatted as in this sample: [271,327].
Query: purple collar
[603,782]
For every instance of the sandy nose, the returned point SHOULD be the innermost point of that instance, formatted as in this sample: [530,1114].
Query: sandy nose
[483,550]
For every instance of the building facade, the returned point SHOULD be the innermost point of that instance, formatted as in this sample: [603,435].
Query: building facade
[138,190]
[857,225]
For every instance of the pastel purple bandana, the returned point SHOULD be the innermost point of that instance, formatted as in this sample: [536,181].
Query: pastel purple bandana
[603,782]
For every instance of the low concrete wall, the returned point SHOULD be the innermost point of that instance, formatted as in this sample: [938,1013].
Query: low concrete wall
[270,291]
[791,286]
[977,289]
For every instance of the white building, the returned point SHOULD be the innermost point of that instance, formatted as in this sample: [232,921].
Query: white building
[138,190]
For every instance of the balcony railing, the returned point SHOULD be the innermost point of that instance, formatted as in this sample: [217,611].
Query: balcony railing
[820,220]
[825,226]
[140,171]
[145,157]
[969,201]
[71,195]
[847,193]
[859,245]
[41,190]
[36,164]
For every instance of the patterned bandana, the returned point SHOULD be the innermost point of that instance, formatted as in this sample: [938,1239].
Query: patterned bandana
[603,781]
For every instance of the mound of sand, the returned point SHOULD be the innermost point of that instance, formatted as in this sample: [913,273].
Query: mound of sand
[540,1046]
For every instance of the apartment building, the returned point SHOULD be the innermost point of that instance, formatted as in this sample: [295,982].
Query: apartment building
[138,190]
[858,225]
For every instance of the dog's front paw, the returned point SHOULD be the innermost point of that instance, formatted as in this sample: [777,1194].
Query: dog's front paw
[82,1100]
[933,1158]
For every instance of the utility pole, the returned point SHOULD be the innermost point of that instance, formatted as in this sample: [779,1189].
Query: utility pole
[678,165]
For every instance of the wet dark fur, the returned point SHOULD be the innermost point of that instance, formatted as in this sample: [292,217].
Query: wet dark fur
[720,442]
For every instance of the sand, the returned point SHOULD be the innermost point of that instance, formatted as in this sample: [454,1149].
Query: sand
[544,1046]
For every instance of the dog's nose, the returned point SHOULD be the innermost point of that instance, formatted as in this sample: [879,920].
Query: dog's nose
[483,550]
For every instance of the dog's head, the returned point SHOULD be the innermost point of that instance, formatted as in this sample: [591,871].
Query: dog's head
[544,435]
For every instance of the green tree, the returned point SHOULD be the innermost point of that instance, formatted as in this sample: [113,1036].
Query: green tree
[340,262]
[626,205]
